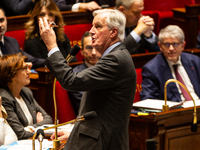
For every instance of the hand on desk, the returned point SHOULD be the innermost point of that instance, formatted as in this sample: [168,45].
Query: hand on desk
[62,135]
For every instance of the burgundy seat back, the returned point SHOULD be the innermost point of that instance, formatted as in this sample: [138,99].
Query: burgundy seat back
[65,111]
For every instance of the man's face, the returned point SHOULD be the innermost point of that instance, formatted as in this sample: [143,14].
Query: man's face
[171,48]
[3,24]
[100,33]
[90,54]
[134,13]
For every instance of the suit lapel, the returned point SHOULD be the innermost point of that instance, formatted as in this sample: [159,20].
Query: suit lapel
[172,90]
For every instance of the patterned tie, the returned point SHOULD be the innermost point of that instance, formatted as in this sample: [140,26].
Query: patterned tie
[178,77]
[3,48]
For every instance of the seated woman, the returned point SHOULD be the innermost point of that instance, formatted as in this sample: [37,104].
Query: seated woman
[7,135]
[33,43]
[24,113]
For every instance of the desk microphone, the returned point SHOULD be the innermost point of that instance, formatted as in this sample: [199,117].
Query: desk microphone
[87,116]
[72,53]
[40,136]
[194,125]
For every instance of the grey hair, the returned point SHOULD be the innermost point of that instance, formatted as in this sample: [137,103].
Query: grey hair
[172,31]
[115,18]
[126,3]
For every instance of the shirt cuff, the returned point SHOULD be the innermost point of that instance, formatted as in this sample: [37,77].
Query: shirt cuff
[53,50]
[75,7]
[152,39]
[135,36]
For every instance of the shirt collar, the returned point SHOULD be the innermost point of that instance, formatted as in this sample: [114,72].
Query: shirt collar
[109,49]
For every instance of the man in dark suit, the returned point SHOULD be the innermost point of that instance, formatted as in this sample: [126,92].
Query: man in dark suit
[139,29]
[11,46]
[158,70]
[110,84]
[91,57]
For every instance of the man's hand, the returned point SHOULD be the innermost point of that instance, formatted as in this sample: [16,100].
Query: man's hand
[47,34]
[145,26]
[39,117]
[91,6]
[62,135]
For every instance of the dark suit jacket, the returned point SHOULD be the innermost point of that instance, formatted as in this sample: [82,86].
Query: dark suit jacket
[12,47]
[36,48]
[140,47]
[17,7]
[110,87]
[156,72]
[65,5]
[16,117]
[75,97]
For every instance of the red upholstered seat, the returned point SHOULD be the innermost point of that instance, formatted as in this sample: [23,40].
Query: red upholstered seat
[19,35]
[65,111]
[75,33]
[164,9]
[138,86]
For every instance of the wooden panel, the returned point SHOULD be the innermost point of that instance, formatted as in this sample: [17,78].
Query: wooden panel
[70,17]
[182,139]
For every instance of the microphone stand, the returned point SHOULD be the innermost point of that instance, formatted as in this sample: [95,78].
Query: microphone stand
[56,142]
[166,107]
[87,116]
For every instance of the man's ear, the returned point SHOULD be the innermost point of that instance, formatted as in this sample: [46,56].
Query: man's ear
[159,44]
[121,8]
[114,32]
[81,50]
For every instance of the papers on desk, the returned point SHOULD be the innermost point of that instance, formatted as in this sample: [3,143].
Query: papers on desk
[27,145]
[152,104]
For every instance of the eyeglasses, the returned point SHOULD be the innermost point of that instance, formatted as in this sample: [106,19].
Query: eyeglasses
[167,45]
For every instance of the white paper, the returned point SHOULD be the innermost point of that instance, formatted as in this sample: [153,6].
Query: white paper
[27,145]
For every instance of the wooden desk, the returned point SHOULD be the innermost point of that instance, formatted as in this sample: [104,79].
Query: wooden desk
[188,19]
[70,17]
[171,129]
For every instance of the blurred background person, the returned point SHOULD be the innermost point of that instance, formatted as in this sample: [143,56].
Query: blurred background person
[18,7]
[33,43]
[24,113]
[7,135]
[9,45]
[75,5]
[91,57]
[139,29]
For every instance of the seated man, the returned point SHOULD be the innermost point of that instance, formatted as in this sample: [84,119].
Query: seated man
[91,57]
[9,45]
[158,70]
[139,29]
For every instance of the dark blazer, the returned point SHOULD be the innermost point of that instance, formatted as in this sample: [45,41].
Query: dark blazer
[16,117]
[140,47]
[110,88]
[17,7]
[75,97]
[12,47]
[36,47]
[156,72]
[65,5]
